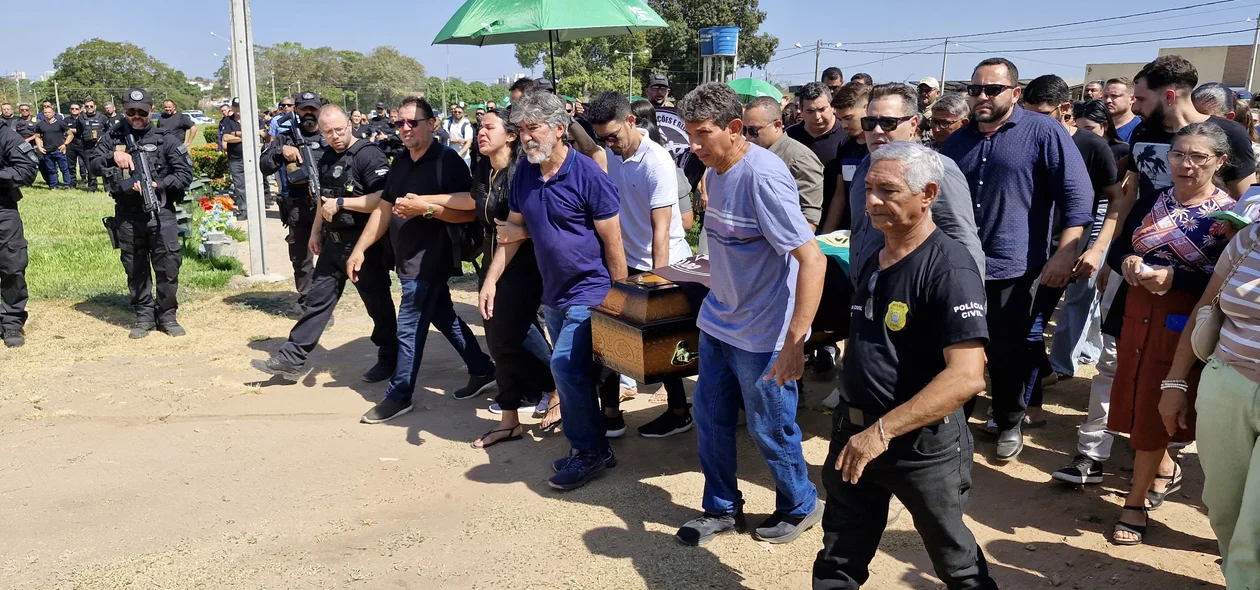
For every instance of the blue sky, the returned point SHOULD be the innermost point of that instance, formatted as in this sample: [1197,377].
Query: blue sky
[187,45]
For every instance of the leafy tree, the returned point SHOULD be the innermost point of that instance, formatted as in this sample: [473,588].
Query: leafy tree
[103,70]
[11,92]
[387,74]
[589,66]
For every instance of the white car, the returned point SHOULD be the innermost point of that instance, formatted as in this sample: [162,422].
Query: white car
[201,118]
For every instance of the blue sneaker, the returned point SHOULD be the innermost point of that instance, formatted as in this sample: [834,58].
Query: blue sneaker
[558,465]
[581,468]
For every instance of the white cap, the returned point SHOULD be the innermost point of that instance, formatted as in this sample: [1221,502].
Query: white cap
[931,82]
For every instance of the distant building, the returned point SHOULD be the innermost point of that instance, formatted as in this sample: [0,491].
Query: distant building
[1227,64]
[17,76]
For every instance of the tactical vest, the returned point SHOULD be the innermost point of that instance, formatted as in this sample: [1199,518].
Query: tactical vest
[318,145]
[342,180]
[151,145]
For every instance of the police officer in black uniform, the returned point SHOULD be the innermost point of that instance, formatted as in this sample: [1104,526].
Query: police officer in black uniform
[93,125]
[145,237]
[113,116]
[18,162]
[297,208]
[353,169]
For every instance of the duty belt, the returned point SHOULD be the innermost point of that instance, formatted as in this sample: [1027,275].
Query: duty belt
[121,208]
[342,236]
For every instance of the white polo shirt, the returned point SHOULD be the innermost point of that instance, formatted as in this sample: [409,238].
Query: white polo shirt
[647,180]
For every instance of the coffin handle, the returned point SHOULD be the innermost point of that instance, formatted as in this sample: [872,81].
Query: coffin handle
[683,357]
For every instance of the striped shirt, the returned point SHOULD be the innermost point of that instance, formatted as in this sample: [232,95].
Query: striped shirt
[1239,345]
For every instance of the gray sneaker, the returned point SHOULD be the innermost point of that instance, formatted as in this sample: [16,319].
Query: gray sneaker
[699,531]
[780,528]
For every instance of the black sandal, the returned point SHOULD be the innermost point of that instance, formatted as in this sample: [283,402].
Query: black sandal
[1156,499]
[550,428]
[1134,529]
[504,439]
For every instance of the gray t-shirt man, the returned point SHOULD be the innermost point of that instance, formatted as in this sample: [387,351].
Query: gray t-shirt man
[951,212]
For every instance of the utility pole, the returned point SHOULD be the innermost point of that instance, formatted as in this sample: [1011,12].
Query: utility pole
[57,95]
[273,90]
[299,85]
[243,60]
[817,59]
[1251,67]
[944,57]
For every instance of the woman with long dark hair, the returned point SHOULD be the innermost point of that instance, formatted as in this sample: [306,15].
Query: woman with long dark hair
[521,354]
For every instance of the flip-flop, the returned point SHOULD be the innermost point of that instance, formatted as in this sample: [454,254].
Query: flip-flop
[504,439]
[1135,529]
[1157,498]
[550,428]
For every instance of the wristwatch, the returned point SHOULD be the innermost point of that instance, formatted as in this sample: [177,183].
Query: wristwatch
[428,211]
[341,203]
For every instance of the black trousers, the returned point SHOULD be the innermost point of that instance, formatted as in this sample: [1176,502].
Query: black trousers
[1011,364]
[521,374]
[301,214]
[929,470]
[150,244]
[77,154]
[13,261]
[327,284]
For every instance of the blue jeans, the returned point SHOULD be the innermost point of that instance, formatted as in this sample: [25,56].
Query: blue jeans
[725,373]
[1078,335]
[424,303]
[54,161]
[575,373]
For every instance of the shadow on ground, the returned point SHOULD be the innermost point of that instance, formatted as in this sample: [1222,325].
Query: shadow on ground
[111,308]
[276,303]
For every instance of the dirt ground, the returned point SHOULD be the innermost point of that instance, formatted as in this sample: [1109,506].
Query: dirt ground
[170,463]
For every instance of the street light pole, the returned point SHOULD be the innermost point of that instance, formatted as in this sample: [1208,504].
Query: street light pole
[630,77]
[247,92]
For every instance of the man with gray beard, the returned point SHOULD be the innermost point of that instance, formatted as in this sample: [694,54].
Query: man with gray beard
[569,207]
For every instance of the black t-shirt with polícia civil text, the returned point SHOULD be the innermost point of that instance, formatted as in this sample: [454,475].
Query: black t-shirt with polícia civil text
[422,247]
[228,126]
[177,124]
[930,299]
[52,133]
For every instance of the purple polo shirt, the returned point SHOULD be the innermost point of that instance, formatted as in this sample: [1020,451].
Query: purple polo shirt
[560,214]
[1019,176]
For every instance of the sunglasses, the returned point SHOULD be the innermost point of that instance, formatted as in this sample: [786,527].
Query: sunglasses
[941,123]
[137,113]
[412,123]
[752,132]
[885,123]
[869,309]
[988,89]
[287,104]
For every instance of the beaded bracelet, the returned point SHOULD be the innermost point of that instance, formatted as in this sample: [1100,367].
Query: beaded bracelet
[1175,384]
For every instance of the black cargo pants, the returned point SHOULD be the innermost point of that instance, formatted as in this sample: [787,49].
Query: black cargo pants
[150,253]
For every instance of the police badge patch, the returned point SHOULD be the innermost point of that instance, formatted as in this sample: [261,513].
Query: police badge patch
[137,95]
[897,316]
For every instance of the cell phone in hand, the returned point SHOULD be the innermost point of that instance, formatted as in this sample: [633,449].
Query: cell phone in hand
[1235,220]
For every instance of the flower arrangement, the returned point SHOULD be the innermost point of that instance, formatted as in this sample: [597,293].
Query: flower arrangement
[216,215]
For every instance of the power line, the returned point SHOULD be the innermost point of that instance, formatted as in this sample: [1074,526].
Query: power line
[1051,63]
[793,55]
[1055,40]
[1090,46]
[1043,27]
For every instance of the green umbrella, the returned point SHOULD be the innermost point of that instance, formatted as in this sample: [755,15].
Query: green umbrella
[750,88]
[506,22]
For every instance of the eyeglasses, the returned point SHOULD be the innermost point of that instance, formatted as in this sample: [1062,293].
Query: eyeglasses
[941,123]
[869,309]
[412,123]
[752,132]
[286,104]
[885,123]
[1197,159]
[137,113]
[989,90]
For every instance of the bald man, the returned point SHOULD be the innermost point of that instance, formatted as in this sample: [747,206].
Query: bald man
[352,173]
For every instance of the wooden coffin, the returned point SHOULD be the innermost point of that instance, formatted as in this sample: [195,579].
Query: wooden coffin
[646,326]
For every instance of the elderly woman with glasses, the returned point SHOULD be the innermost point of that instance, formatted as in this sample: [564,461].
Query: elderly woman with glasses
[1166,250]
